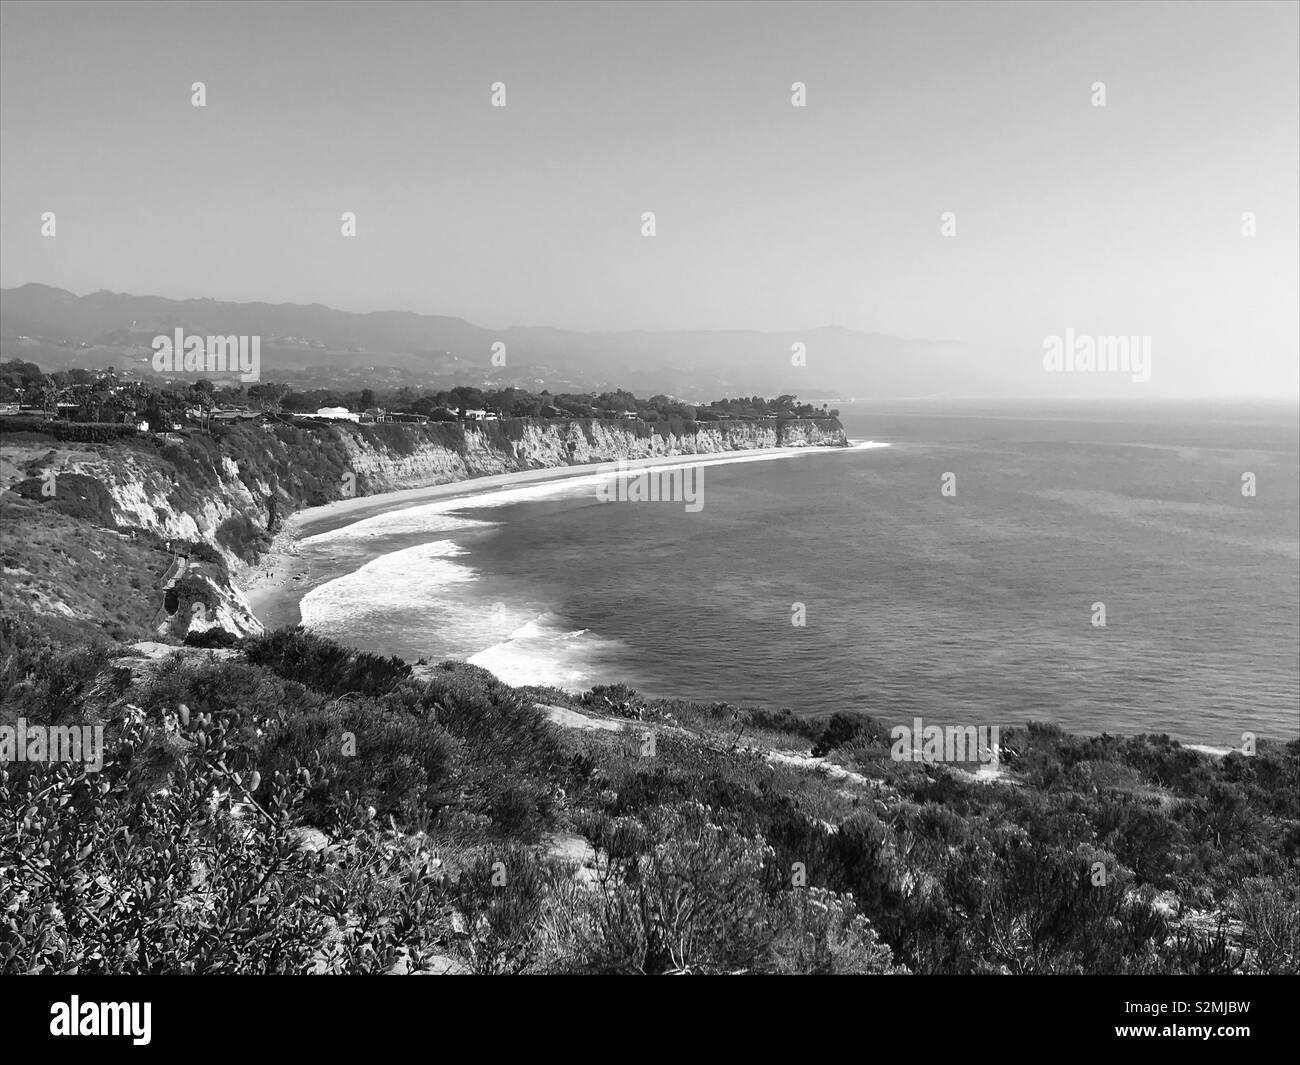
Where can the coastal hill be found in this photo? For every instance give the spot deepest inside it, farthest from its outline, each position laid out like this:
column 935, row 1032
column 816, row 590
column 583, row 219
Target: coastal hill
column 292, row 806
column 312, row 345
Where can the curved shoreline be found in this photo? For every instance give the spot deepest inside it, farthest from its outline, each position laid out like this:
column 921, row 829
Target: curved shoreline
column 276, row 584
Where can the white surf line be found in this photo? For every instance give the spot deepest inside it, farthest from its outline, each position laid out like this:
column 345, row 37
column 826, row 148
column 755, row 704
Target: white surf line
column 572, row 484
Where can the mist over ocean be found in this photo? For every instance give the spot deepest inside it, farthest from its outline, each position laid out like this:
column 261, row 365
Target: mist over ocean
column 972, row 609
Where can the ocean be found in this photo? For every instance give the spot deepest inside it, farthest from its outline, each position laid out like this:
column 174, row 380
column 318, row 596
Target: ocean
column 852, row 581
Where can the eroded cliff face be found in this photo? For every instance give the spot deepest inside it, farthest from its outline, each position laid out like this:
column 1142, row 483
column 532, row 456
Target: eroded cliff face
column 177, row 500
column 488, row 450
column 145, row 496
column 205, row 495
column 199, row 596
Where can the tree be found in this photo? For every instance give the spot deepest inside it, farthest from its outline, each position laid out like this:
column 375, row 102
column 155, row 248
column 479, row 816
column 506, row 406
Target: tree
column 268, row 396
column 202, row 394
column 98, row 396
column 527, row 407
column 159, row 410
column 50, row 397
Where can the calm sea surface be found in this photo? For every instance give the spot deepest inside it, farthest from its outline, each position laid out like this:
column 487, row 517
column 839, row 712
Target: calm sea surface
column 972, row 608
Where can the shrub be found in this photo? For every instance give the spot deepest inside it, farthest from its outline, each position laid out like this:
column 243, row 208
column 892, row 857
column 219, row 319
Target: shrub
column 76, row 495
column 502, row 896
column 326, row 666
column 214, row 637
column 614, row 698
column 81, row 432
column 684, row 898
column 1269, row 909
column 509, row 752
column 198, row 551
column 818, row 932
column 101, row 874
column 243, row 537
column 187, row 593
column 844, row 729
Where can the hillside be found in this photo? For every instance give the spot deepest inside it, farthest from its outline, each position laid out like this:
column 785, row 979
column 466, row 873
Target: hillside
column 294, row 807
column 307, row 344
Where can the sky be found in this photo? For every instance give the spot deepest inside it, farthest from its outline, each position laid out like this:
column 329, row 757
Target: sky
column 1117, row 220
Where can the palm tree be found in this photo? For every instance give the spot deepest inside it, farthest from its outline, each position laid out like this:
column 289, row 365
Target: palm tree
column 49, row 397
column 201, row 392
column 98, row 396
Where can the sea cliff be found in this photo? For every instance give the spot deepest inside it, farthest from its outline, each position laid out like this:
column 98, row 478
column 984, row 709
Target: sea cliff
column 191, row 509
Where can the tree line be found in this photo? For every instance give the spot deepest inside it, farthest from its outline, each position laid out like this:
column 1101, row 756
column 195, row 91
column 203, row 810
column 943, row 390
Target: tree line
column 104, row 395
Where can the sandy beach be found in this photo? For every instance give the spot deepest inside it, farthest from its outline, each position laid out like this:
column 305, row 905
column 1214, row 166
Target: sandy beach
column 277, row 582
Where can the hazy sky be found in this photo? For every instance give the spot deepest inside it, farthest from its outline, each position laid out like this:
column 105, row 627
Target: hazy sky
column 1125, row 219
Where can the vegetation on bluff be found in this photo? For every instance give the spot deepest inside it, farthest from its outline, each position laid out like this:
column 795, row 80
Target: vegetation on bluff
column 102, row 396
column 297, row 806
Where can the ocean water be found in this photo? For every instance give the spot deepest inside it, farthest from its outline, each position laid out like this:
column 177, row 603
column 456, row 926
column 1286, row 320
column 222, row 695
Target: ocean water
column 973, row 608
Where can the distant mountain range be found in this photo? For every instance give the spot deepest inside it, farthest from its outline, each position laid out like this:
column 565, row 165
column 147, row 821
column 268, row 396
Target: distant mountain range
column 316, row 346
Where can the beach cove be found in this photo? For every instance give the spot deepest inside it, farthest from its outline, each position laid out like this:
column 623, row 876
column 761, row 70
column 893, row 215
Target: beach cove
column 276, row 585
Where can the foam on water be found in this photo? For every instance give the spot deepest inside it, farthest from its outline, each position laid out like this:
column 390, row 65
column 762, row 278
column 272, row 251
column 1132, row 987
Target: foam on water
column 431, row 518
column 400, row 581
column 547, row 651
column 441, row 516
column 421, row 599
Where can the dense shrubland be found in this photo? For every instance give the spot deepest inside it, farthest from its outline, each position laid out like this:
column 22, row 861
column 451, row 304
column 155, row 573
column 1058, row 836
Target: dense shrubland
column 49, row 556
column 298, row 806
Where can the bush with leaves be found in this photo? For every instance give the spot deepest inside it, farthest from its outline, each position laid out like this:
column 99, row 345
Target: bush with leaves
column 145, row 867
column 614, row 699
column 845, row 729
column 508, row 756
column 818, row 932
column 677, row 894
column 327, row 666
column 178, row 857
column 501, row 899
column 213, row 637
column 243, row 537
column 1269, row 910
